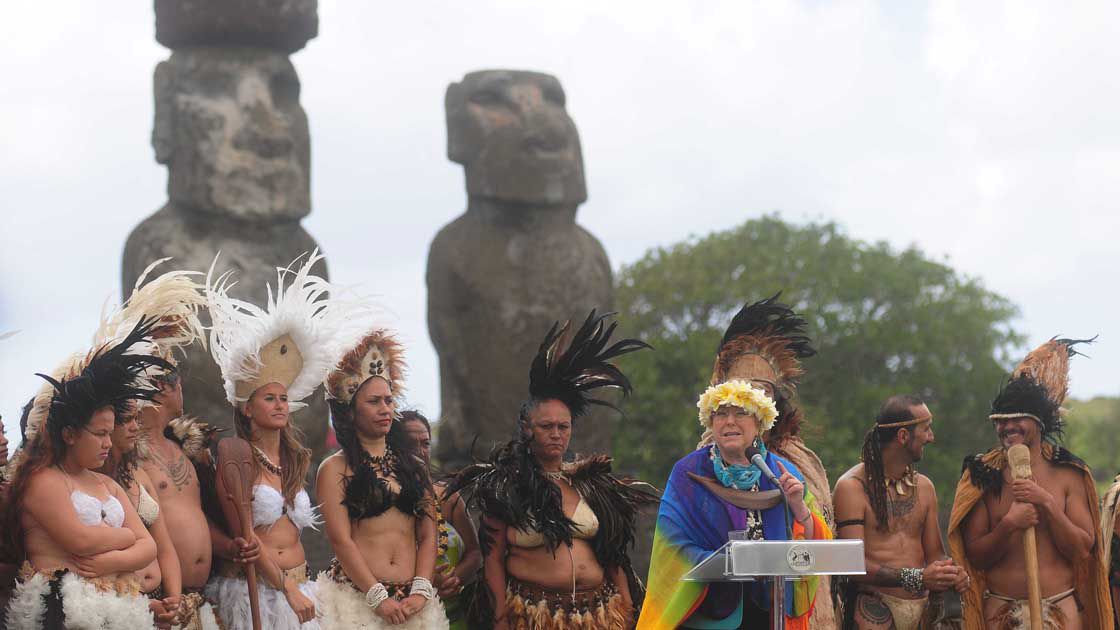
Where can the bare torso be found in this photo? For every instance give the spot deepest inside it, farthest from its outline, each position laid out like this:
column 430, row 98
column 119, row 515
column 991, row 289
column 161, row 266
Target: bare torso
column 43, row 552
column 388, row 544
column 176, row 484
column 560, row 568
column 150, row 576
column 901, row 544
column 1007, row 577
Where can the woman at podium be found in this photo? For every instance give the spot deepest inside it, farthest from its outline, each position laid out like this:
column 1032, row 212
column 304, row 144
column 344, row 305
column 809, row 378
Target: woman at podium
column 715, row 490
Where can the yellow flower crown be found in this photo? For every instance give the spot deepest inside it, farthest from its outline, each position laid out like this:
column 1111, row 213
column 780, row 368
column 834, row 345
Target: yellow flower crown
column 739, row 394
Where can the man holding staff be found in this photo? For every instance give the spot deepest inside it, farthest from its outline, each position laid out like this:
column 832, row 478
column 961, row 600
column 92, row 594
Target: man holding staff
column 886, row 503
column 994, row 511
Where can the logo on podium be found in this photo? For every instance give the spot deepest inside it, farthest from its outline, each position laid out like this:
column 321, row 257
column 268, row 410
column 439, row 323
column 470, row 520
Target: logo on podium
column 800, row 558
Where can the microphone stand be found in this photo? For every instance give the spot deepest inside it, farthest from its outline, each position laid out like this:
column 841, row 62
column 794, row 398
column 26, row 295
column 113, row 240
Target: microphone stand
column 777, row 582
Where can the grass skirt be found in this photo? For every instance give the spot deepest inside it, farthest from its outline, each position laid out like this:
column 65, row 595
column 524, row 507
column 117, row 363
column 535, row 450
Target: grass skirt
column 85, row 604
column 231, row 596
column 532, row 607
column 344, row 608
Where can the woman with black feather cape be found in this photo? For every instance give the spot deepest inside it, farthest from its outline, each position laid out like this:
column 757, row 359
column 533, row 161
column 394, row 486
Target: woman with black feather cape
column 555, row 535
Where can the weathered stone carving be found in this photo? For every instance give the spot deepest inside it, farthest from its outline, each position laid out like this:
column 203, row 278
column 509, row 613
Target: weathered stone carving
column 501, row 273
column 284, row 25
column 231, row 131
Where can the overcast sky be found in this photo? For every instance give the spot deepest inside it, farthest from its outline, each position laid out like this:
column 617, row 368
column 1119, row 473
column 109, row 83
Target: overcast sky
column 986, row 133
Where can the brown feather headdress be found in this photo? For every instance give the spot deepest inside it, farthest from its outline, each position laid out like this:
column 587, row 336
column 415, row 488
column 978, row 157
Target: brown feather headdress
column 766, row 340
column 377, row 354
column 1048, row 365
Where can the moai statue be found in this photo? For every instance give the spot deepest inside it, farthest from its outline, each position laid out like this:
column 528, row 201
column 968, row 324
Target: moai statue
column 230, row 128
column 514, row 262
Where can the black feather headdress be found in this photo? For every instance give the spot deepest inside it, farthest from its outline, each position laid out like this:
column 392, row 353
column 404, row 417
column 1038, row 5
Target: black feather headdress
column 110, row 375
column 770, row 330
column 571, row 374
column 1023, row 396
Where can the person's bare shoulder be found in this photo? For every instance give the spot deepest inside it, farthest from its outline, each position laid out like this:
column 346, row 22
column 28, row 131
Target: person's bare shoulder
column 855, row 472
column 849, row 487
column 335, row 463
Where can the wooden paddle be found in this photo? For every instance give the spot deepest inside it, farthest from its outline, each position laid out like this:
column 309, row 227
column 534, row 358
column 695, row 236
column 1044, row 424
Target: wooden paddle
column 235, row 466
column 1019, row 457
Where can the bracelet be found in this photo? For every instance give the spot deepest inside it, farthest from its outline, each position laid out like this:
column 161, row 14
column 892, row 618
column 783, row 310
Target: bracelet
column 912, row 580
column 376, row 594
column 808, row 517
column 422, row 586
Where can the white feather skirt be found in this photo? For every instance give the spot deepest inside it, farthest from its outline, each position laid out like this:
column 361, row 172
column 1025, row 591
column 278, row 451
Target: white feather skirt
column 345, row 608
column 85, row 606
column 231, row 596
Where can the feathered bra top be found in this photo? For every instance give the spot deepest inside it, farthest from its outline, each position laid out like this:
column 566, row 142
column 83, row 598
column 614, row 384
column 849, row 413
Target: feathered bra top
column 369, row 492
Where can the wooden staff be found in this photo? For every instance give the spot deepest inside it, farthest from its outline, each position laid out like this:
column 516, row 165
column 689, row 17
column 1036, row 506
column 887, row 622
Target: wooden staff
column 235, row 465
column 1019, row 457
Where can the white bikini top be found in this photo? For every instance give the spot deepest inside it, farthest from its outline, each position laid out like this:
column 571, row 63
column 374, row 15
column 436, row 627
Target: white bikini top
column 93, row 511
column 269, row 506
column 146, row 507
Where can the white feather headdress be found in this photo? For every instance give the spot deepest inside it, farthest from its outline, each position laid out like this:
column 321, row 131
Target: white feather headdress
column 295, row 340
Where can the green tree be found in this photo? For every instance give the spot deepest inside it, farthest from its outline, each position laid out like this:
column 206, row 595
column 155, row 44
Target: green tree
column 1091, row 435
column 884, row 322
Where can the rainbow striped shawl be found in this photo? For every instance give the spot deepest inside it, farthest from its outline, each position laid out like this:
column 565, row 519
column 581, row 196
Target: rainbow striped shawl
column 691, row 524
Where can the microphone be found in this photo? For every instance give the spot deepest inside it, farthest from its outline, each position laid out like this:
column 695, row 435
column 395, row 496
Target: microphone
column 756, row 458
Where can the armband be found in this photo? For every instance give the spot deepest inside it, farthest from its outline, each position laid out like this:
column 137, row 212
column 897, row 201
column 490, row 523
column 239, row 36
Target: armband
column 912, row 580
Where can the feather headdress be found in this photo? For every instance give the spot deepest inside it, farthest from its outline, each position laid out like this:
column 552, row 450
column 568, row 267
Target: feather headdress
column 1048, row 364
column 168, row 306
column 377, row 354
column 173, row 298
column 765, row 341
column 1039, row 385
column 571, row 373
column 109, row 375
column 1022, row 396
column 295, row 340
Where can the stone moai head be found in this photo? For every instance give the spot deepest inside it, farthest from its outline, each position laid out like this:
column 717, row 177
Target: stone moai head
column 512, row 133
column 229, row 127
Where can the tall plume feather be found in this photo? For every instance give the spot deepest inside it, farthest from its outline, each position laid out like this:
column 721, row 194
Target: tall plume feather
column 569, row 374
column 1048, row 364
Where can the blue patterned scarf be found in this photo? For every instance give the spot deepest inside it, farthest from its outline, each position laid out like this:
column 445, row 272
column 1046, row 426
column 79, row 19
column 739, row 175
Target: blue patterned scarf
column 737, row 476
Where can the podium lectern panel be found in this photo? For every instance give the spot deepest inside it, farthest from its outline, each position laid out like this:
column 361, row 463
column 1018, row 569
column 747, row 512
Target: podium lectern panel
column 779, row 561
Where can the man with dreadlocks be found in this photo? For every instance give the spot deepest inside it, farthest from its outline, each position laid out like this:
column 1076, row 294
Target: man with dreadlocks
column 992, row 509
column 893, row 509
column 555, row 535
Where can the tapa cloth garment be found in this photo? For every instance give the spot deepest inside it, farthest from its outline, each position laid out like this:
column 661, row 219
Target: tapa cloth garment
column 1015, row 614
column 344, row 608
column 692, row 523
column 97, row 604
column 906, row 614
column 231, row 596
column 1090, row 578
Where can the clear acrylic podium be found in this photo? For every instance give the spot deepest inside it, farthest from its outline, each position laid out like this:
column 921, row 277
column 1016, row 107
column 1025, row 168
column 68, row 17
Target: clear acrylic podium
column 779, row 561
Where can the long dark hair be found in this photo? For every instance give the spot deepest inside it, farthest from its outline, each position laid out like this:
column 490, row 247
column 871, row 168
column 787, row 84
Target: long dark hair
column 411, row 469
column 895, row 409
column 295, row 458
column 788, row 423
